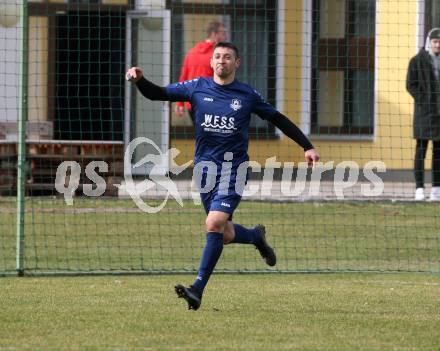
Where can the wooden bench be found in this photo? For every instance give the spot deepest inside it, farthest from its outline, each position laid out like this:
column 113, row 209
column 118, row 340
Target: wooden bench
column 44, row 156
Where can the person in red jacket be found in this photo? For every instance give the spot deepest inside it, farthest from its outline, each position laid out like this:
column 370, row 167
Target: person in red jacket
column 197, row 62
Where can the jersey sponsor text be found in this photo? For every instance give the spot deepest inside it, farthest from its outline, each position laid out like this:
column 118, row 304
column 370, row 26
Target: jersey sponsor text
column 214, row 122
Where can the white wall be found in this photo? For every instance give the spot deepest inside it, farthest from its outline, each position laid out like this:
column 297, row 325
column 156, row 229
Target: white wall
column 9, row 72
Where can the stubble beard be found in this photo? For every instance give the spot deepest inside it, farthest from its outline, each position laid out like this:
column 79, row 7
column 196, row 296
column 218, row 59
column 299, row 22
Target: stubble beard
column 222, row 73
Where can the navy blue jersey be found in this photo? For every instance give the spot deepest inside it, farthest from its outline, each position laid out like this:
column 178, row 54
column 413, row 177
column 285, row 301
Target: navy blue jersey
column 222, row 115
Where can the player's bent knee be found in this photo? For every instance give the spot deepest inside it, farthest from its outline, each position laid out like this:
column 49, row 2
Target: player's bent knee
column 215, row 225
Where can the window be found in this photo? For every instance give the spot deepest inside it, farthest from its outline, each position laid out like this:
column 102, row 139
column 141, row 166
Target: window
column 89, row 95
column 343, row 67
column 85, row 57
column 432, row 15
column 251, row 25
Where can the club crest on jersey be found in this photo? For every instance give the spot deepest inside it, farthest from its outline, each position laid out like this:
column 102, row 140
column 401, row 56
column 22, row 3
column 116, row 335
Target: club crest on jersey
column 236, row 104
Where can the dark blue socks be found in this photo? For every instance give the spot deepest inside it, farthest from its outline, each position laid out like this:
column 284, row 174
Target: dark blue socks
column 245, row 236
column 211, row 253
column 213, row 249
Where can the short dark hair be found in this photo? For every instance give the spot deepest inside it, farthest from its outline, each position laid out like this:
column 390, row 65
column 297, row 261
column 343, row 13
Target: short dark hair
column 213, row 27
column 225, row 44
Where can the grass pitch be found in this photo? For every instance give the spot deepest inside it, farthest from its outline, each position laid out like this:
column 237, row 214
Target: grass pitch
column 238, row 312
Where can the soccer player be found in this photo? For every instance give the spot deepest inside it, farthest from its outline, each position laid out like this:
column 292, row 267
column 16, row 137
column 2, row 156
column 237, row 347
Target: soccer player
column 222, row 109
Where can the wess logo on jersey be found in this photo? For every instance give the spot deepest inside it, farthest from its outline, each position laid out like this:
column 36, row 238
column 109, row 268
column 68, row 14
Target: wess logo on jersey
column 220, row 124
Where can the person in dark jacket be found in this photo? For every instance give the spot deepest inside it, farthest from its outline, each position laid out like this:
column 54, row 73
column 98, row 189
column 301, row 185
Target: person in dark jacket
column 423, row 83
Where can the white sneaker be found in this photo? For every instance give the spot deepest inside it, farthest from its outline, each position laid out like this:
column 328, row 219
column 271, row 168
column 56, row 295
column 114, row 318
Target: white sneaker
column 435, row 193
column 420, row 194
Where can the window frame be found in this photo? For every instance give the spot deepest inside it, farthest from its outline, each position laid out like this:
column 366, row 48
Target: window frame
column 347, row 54
column 50, row 10
column 428, row 18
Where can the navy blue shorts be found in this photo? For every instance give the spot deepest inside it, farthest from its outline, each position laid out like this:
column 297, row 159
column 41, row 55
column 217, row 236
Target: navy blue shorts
column 222, row 197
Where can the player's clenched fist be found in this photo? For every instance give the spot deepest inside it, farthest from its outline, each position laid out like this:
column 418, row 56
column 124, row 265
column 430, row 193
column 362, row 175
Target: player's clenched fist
column 134, row 74
column 312, row 157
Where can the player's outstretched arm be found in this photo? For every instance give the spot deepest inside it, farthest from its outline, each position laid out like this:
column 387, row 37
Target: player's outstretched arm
column 148, row 89
column 293, row 132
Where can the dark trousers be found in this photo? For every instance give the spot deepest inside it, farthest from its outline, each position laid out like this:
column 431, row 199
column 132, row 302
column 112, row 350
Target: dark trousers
column 419, row 163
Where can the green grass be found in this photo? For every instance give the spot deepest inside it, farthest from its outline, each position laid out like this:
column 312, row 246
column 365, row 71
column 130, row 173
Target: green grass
column 113, row 234
column 239, row 312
